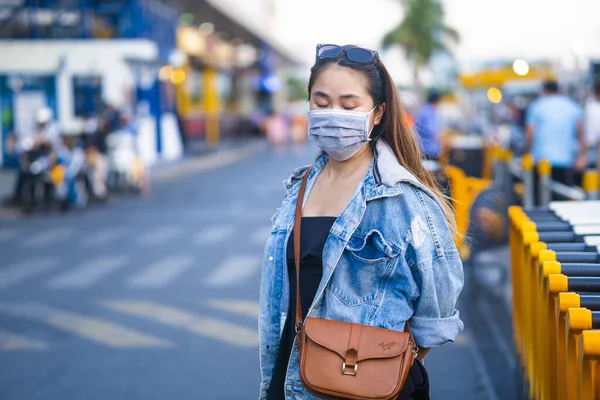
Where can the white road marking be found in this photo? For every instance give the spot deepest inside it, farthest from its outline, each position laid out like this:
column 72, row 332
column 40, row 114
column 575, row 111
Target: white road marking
column 11, row 341
column 214, row 235
column 104, row 237
column 94, row 329
column 7, row 234
column 234, row 269
column 160, row 235
column 241, row 307
column 213, row 328
column 20, row 271
column 88, row 273
column 162, row 272
column 261, row 235
column 48, row 237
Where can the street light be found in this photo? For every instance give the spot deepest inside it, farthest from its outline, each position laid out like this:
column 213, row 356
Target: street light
column 521, row 67
column 494, row 95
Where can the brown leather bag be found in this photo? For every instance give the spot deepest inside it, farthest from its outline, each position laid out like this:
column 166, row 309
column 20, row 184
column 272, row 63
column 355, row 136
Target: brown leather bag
column 341, row 360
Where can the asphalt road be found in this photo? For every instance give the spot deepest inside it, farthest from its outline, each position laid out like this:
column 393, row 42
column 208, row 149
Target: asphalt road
column 157, row 297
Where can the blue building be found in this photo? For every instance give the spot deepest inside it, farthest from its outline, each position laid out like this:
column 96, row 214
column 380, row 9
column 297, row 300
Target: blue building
column 75, row 57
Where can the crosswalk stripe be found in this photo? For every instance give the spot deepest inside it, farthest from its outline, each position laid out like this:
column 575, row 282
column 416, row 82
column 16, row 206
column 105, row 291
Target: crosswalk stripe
column 261, row 235
column 7, row 234
column 160, row 235
column 20, row 271
column 162, row 272
column 213, row 328
column 234, row 269
column 104, row 236
column 214, row 234
column 48, row 237
column 242, row 307
column 11, row 341
column 94, row 329
column 88, row 273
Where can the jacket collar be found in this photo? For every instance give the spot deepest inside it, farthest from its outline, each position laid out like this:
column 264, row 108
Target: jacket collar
column 383, row 179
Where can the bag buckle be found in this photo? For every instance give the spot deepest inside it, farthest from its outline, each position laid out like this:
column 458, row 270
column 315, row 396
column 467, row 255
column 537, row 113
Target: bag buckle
column 351, row 373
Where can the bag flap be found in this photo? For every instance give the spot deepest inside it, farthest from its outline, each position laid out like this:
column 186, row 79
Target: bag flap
column 373, row 343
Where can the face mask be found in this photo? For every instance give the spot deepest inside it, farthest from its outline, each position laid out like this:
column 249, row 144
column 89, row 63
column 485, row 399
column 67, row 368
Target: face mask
column 339, row 133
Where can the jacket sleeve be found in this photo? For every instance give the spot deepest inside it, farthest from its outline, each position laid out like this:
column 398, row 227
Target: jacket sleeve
column 438, row 272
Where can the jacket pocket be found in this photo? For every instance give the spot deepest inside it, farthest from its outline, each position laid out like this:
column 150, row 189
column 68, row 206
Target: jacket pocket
column 365, row 265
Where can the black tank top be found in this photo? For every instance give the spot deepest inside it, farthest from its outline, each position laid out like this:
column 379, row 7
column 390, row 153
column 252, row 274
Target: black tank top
column 313, row 236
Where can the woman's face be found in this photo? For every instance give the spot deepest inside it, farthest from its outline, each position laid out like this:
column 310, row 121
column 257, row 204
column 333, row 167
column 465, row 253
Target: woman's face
column 343, row 88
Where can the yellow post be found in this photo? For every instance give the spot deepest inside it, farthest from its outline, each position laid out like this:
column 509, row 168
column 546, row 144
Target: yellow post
column 544, row 171
column 516, row 215
column 590, row 185
column 565, row 302
column 578, row 320
column 211, row 106
column 547, row 328
column 528, row 181
column 460, row 201
column 540, row 323
column 530, row 236
column 590, row 365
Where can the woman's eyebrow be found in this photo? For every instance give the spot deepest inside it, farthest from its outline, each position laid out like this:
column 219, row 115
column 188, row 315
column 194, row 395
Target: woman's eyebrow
column 321, row 94
column 350, row 96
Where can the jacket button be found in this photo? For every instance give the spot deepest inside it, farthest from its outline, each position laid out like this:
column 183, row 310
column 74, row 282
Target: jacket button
column 271, row 258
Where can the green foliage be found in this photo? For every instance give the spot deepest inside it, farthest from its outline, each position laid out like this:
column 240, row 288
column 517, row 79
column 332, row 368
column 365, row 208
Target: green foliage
column 422, row 31
column 297, row 89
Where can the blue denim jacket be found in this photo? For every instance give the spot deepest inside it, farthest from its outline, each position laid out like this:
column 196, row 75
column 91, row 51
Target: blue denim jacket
column 389, row 258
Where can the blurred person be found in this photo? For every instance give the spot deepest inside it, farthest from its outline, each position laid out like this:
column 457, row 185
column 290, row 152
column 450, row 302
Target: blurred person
column 554, row 128
column 44, row 140
column 429, row 127
column 276, row 128
column 592, row 125
column 376, row 243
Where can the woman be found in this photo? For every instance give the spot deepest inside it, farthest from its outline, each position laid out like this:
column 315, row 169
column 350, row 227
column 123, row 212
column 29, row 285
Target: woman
column 377, row 236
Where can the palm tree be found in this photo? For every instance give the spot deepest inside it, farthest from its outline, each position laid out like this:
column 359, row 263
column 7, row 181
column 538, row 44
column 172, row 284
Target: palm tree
column 421, row 33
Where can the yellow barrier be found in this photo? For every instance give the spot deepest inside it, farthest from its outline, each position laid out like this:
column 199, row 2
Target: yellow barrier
column 558, row 352
column 577, row 321
column 590, row 365
column 464, row 192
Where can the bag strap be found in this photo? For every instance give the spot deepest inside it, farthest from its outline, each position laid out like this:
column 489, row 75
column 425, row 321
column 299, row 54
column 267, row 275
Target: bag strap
column 297, row 225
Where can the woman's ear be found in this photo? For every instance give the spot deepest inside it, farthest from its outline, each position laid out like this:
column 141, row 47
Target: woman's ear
column 378, row 115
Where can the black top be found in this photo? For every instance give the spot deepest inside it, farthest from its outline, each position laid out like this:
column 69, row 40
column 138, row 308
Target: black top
column 313, row 236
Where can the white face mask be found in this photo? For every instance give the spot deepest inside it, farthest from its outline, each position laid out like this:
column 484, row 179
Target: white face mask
column 339, row 133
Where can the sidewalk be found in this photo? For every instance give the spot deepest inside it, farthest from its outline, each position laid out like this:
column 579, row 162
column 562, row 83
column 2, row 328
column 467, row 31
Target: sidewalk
column 207, row 158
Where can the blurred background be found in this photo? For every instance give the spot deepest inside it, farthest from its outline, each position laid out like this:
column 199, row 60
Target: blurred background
column 142, row 148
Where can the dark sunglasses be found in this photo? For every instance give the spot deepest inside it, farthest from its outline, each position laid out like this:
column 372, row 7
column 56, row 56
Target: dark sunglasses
column 353, row 54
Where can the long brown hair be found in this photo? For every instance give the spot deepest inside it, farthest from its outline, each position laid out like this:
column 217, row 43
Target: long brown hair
column 402, row 139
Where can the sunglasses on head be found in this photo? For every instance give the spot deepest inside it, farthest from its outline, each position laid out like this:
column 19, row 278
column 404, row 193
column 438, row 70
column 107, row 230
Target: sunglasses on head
column 353, row 54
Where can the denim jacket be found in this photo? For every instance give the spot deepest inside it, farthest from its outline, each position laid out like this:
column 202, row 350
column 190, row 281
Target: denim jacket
column 389, row 258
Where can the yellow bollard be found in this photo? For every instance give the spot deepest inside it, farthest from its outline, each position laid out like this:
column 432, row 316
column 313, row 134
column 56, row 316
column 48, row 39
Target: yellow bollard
column 566, row 300
column 547, row 327
column 515, row 213
column 590, row 365
column 540, row 324
column 544, row 193
column 529, row 236
column 590, row 185
column 577, row 321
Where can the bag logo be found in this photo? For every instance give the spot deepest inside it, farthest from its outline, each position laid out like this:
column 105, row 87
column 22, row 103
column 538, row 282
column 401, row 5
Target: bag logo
column 387, row 345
